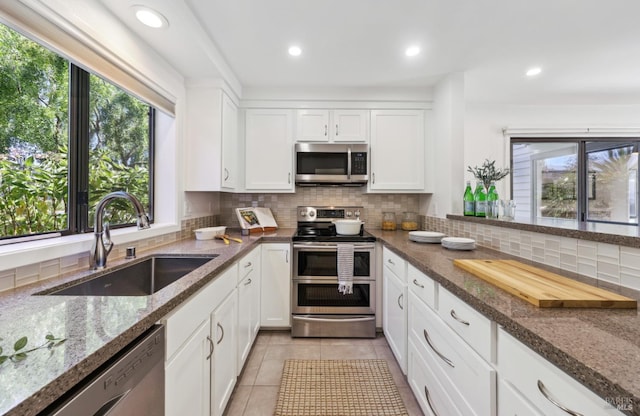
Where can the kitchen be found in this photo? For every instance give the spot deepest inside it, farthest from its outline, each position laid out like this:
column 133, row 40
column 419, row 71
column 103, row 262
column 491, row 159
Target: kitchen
column 464, row 111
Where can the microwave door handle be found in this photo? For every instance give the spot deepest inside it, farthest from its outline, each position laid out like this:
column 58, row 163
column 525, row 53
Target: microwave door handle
column 349, row 163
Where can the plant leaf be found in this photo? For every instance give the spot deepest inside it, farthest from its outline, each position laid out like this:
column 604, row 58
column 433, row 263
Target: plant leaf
column 19, row 356
column 50, row 337
column 3, row 358
column 20, row 344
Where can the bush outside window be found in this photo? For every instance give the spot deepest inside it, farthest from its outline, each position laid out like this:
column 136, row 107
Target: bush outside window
column 67, row 138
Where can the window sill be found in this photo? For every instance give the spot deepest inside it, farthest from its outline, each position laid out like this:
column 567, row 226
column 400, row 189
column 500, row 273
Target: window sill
column 623, row 235
column 22, row 254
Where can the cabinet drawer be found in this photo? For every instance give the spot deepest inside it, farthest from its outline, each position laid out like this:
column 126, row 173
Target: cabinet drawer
column 395, row 263
column 430, row 394
column 422, row 285
column 541, row 382
column 248, row 263
column 185, row 319
column 472, row 380
column 511, row 403
column 476, row 329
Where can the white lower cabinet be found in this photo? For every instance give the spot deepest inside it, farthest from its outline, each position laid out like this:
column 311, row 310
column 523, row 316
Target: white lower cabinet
column 188, row 376
column 394, row 315
column 192, row 379
column 275, row 299
column 467, row 379
column 224, row 375
column 542, row 383
column 248, row 304
column 511, row 402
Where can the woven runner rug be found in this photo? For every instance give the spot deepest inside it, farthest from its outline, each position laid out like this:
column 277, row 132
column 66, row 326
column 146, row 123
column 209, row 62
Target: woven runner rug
column 338, row 388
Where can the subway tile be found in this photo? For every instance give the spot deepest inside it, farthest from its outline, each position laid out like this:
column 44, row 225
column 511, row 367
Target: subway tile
column 630, row 258
column 608, row 252
column 49, row 269
column 27, row 274
column 630, row 278
column 608, row 271
column 7, row 279
column 589, row 270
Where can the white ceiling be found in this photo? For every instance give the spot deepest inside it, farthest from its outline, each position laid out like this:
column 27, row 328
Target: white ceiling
column 589, row 49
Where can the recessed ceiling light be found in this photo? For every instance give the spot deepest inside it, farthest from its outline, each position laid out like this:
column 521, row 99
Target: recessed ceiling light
column 532, row 72
column 412, row 51
column 150, row 17
column 295, row 51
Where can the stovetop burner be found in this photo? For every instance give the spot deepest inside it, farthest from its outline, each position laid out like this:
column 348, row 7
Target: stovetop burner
column 315, row 224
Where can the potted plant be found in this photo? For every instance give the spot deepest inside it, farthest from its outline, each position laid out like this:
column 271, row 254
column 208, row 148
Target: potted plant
column 488, row 173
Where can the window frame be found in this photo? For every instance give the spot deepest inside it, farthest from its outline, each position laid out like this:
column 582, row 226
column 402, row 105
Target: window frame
column 582, row 166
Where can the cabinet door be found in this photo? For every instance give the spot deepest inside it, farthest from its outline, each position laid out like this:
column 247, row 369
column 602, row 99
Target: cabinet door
column 187, row 376
column 223, row 329
column 394, row 318
column 350, row 125
column 397, row 150
column 269, row 150
column 275, row 299
column 312, row 125
column 229, row 143
column 245, row 311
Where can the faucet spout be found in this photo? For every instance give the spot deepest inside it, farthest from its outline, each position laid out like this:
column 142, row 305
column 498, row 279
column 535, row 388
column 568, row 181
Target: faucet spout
column 102, row 248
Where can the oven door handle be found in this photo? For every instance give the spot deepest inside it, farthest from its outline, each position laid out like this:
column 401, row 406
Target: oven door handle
column 356, row 246
column 309, row 318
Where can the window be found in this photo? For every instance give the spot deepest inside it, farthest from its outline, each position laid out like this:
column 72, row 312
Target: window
column 67, row 138
column 579, row 179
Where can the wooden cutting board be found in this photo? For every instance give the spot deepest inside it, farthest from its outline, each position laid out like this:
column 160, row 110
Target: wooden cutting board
column 543, row 288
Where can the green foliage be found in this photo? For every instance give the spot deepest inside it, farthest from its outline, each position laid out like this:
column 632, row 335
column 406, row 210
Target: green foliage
column 19, row 353
column 488, row 172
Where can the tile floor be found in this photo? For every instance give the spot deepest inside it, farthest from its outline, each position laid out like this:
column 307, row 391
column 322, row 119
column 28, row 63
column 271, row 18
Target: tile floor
column 257, row 388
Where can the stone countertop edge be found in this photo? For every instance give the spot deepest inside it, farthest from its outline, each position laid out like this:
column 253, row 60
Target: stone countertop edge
column 525, row 321
column 178, row 292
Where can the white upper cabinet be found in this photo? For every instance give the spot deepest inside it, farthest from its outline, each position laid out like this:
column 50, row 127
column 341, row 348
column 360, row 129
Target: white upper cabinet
column 332, row 125
column 211, row 142
column 397, row 150
column 269, row 150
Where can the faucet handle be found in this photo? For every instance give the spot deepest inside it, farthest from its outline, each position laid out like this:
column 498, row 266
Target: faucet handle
column 106, row 239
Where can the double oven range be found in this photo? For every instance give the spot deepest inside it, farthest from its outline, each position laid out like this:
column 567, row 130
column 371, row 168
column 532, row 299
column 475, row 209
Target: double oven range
column 318, row 308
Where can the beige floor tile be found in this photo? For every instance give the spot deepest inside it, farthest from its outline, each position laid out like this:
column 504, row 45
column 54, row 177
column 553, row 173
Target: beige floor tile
column 347, row 341
column 293, row 351
column 270, row 373
column 347, row 352
column 238, row 401
column 251, row 367
column 263, row 337
column 385, row 353
column 262, row 401
column 410, row 401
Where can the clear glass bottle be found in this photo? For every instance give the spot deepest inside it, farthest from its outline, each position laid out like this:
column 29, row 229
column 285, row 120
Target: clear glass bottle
column 469, row 203
column 409, row 221
column 388, row 221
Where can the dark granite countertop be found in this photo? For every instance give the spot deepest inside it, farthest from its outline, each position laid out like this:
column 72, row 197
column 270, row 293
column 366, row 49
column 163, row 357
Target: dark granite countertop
column 598, row 347
column 96, row 327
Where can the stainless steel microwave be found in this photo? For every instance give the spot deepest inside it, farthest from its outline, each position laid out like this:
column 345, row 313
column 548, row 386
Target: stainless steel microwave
column 332, row 164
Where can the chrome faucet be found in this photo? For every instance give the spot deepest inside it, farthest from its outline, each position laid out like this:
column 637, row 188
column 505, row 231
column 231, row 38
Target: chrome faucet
column 102, row 243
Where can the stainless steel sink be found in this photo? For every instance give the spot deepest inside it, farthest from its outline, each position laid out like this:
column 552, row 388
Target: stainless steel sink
column 139, row 279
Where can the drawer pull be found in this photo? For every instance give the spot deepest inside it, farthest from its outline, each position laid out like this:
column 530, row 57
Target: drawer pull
column 415, row 282
column 390, row 262
column 462, row 321
column 426, row 394
column 547, row 395
column 445, row 359
column 222, row 333
column 247, row 265
column 248, row 282
column 400, row 301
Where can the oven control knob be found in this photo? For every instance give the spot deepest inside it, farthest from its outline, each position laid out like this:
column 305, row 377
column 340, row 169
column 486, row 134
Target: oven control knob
column 303, row 213
column 357, row 213
column 348, row 214
column 312, row 214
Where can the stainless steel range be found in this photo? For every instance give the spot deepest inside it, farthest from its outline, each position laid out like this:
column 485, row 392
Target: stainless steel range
column 318, row 308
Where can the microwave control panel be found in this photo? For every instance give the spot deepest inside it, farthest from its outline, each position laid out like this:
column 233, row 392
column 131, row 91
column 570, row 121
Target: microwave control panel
column 359, row 163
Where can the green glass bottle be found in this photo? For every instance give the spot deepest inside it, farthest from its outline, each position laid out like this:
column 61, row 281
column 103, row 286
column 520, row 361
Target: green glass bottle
column 480, row 198
column 493, row 194
column 469, row 202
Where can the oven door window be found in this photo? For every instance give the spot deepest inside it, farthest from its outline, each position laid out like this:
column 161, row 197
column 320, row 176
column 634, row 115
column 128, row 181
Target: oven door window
column 324, row 263
column 317, row 163
column 327, row 295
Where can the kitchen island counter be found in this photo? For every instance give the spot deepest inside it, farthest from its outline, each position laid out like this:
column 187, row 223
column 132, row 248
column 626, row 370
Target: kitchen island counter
column 598, row 347
column 95, row 327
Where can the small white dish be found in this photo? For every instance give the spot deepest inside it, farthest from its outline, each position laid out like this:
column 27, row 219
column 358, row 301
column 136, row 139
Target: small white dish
column 425, row 236
column 458, row 243
column 209, row 233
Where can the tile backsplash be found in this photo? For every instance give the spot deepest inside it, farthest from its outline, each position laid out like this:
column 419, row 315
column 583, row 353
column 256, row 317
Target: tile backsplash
column 606, row 262
column 284, row 206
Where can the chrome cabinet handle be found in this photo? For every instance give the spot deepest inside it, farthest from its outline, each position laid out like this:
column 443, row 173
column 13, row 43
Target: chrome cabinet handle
column 221, row 329
column 210, row 347
column 415, row 282
column 390, row 262
column 426, row 394
column 373, row 177
column 462, row 321
column 400, row 300
column 444, row 358
column 547, row 395
column 337, row 131
column 248, row 282
column 226, row 174
column 326, row 129
column 289, row 177
column 247, row 265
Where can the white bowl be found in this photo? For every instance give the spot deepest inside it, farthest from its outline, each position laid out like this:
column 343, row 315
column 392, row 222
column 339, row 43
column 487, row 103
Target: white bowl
column 209, row 233
column 348, row 227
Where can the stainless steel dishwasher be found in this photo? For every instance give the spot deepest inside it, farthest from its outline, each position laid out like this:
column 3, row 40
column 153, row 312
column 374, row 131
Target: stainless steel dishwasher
column 131, row 383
